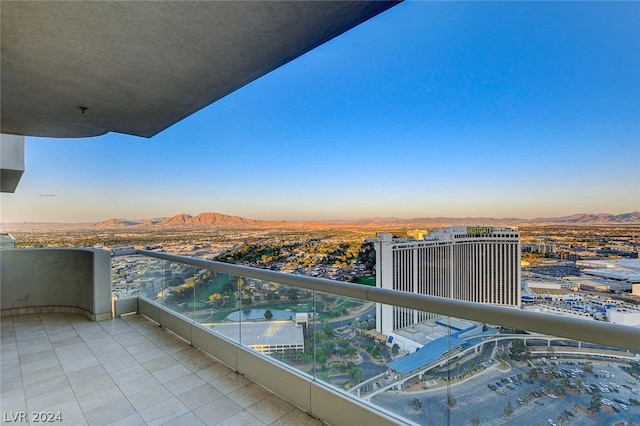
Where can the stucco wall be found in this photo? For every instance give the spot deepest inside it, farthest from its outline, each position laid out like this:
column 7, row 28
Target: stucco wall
column 64, row 280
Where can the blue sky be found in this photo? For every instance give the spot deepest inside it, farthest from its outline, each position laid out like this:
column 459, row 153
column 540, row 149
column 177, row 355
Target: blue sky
column 502, row 109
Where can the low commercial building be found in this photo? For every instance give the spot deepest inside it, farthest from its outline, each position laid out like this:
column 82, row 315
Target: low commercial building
column 264, row 336
column 624, row 316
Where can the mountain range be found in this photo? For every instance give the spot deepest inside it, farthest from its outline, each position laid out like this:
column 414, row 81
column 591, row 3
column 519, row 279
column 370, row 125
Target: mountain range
column 225, row 221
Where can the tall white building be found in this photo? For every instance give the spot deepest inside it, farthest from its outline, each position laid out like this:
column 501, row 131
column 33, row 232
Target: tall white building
column 479, row 264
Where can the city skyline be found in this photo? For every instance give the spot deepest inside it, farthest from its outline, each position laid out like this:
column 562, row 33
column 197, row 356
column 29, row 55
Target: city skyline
column 429, row 109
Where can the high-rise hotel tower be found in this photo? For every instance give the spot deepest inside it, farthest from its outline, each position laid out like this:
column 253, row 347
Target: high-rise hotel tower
column 479, row 264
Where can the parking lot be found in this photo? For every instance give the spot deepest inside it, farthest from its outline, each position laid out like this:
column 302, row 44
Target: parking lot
column 562, row 395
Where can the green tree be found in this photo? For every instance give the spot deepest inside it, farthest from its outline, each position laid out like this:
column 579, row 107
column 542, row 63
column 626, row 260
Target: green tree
column 563, row 417
column 268, row 315
column 356, row 374
column 395, row 349
column 417, row 404
column 534, row 373
column 451, row 400
column 293, row 295
column 508, row 410
column 596, row 401
column 519, row 351
column 588, row 367
column 321, row 358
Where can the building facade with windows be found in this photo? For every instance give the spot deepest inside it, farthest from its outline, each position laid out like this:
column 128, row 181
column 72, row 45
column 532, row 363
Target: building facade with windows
column 477, row 264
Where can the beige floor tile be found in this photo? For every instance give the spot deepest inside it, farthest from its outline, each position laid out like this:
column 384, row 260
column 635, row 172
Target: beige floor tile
column 217, row 411
column 44, row 401
column 99, row 398
column 130, row 339
column 47, row 385
column 184, row 383
column 214, row 372
column 297, row 418
column 38, row 356
column 139, row 384
column 173, row 346
column 33, row 346
column 249, row 395
column 13, row 402
column 160, row 363
column 270, row 409
column 78, row 420
column 188, row 419
column 11, row 383
column 141, row 347
column 40, row 375
column 110, row 353
column 65, row 339
column 116, row 364
column 199, row 396
column 149, row 355
column 187, row 354
column 86, row 374
column 149, row 397
column 70, row 365
column 171, row 373
column 230, row 382
column 130, row 420
column 67, row 409
column 109, row 413
column 199, row 363
column 91, row 385
column 242, row 418
column 126, row 374
column 164, row 411
column 44, row 363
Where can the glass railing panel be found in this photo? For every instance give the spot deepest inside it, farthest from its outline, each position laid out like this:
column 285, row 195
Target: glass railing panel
column 424, row 367
column 270, row 318
column 494, row 375
column 136, row 275
column 178, row 292
column 278, row 322
column 219, row 297
column 347, row 352
column 419, row 366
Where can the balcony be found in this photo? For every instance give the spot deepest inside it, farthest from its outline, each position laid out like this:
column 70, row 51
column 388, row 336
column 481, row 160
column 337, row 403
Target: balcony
column 217, row 349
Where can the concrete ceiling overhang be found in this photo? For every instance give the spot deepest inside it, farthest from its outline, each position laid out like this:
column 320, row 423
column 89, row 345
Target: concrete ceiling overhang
column 139, row 67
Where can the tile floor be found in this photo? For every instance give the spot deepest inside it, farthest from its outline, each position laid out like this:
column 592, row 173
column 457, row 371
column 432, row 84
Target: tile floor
column 124, row 371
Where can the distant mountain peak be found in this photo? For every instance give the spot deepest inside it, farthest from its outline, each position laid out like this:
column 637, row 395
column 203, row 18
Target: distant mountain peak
column 115, row 223
column 214, row 219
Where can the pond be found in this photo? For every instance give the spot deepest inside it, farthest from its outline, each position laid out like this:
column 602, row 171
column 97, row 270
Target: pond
column 254, row 314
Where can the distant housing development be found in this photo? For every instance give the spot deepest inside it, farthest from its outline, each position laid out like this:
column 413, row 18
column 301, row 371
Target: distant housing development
column 479, row 264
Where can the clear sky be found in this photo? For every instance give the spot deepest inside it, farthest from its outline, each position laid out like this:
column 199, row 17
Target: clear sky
column 501, row 109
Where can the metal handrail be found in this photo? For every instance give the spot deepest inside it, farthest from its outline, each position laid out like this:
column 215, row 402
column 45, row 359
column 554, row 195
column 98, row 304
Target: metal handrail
column 604, row 333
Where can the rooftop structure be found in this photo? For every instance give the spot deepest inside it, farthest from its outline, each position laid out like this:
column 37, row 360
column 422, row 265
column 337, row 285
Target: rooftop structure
column 265, row 336
column 627, row 270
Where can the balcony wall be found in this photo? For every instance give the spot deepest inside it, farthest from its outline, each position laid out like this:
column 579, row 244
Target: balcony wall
column 56, row 280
